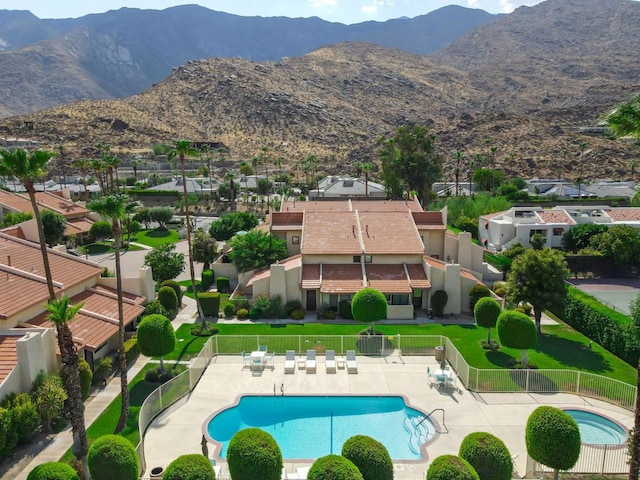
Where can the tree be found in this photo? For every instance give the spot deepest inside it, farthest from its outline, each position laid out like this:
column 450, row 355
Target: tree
column 143, row 215
column 83, row 165
column 205, row 249
column 451, row 467
column 231, row 223
column 619, row 243
column 487, row 180
column 253, row 454
column 256, row 249
column 156, row 337
column 624, row 120
column 190, row 467
column 54, row 226
column 365, row 167
column 457, row 156
column 50, row 397
column 486, row 313
column 516, row 330
column 410, row 157
column 53, row 471
column 334, row 467
column 552, row 437
column 111, row 457
column 165, row 263
column 13, row 218
column 488, row 455
column 370, row 456
column 114, row 208
column 61, row 313
column 538, row 277
column 161, row 215
column 579, row 237
column 369, row 305
column 101, row 230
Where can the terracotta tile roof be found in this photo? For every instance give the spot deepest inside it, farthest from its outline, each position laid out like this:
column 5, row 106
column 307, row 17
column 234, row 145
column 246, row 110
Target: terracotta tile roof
column 331, row 233
column 434, row 262
column 289, row 263
column 14, row 231
column 386, row 205
column 388, row 278
column 624, row 214
column 417, row 276
column 342, row 278
column 469, row 275
column 287, row 218
column 347, row 205
column 556, row 216
column 131, row 297
column 389, row 232
column 317, row 206
column 489, row 216
column 427, row 218
column 76, row 226
column 90, row 331
column 310, row 276
column 8, row 355
column 47, row 200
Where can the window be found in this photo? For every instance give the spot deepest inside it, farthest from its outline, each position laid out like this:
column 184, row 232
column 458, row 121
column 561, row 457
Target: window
column 368, row 259
column 558, row 231
column 356, row 259
column 295, row 240
column 399, row 299
column 417, row 293
column 540, row 232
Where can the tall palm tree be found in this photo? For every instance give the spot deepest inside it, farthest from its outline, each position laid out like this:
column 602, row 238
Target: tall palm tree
column 61, row 314
column 113, row 207
column 183, row 149
column 83, row 164
column 365, row 167
column 457, row 156
column 100, row 169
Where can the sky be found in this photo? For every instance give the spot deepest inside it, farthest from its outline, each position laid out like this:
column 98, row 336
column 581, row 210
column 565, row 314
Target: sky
column 343, row 11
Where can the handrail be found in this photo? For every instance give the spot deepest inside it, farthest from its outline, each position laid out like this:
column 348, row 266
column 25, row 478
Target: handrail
column 429, row 414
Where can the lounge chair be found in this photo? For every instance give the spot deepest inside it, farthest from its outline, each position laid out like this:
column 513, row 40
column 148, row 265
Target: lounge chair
column 290, row 362
column 330, row 361
column 352, row 365
column 310, row 364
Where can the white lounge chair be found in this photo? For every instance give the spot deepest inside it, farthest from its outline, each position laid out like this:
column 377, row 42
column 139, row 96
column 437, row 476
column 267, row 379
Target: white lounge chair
column 290, row 362
column 310, row 364
column 330, row 361
column 352, row 365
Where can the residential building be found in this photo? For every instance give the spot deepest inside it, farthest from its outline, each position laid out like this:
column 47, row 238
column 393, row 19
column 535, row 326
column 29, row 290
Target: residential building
column 334, row 187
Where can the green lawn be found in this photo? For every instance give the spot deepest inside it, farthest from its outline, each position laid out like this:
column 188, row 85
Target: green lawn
column 187, row 346
column 99, row 248
column 155, row 238
column 187, row 285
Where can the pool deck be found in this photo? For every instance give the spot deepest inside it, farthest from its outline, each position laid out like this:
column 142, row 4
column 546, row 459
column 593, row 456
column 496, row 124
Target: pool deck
column 178, row 430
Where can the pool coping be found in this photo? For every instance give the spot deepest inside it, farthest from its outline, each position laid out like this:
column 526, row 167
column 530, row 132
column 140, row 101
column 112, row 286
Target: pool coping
column 600, row 446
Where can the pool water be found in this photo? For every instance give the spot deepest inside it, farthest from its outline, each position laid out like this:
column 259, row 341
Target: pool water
column 308, row 427
column 598, row 430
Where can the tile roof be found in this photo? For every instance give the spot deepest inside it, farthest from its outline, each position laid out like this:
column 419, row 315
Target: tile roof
column 434, row 262
column 341, row 278
column 390, row 233
column 310, row 276
column 428, row 218
column 286, row 220
column 388, row 278
column 417, row 276
column 348, row 205
column 556, row 216
column 76, row 226
column 469, row 275
column 14, row 231
column 8, row 355
column 624, row 214
column 331, row 233
column 289, row 263
column 46, row 200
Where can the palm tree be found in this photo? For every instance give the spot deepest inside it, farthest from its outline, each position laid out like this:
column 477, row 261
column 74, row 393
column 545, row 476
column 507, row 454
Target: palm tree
column 83, row 164
column 61, row 314
column 458, row 158
column 113, row 207
column 129, row 210
column 99, row 168
column 183, row 149
column 365, row 167
column 29, row 167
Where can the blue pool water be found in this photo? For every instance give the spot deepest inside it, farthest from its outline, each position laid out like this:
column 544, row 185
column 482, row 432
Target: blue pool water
column 596, row 429
column 308, row 427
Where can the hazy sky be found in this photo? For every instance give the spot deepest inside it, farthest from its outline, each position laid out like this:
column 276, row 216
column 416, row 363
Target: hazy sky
column 345, row 11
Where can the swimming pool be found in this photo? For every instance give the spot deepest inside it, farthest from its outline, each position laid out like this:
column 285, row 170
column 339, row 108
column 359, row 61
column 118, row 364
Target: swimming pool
column 308, row 427
column 596, row 429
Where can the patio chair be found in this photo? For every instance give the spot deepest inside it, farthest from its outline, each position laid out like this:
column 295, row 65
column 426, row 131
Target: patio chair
column 330, row 361
column 352, row 365
column 269, row 360
column 290, row 362
column 246, row 360
column 310, row 364
column 257, row 364
column 262, row 348
column 451, row 381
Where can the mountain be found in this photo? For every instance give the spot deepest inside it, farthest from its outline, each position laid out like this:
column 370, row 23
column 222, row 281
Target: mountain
column 123, row 52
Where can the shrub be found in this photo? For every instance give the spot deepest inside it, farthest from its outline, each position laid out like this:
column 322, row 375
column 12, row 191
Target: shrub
column 255, row 313
column 102, row 369
column 199, row 330
column 206, row 279
column 176, row 288
column 344, row 309
column 152, row 375
column 165, row 376
column 86, row 377
column 24, row 415
column 222, row 284
column 476, row 293
column 131, row 349
column 500, row 288
column 525, row 308
column 370, row 456
column 156, row 337
column 369, row 305
column 154, row 307
column 190, row 467
column 488, row 455
column 439, row 300
column 210, row 303
column 334, row 467
column 297, row 314
column 168, row 299
column 450, row 467
column 112, row 456
column 8, row 435
column 329, row 314
column 253, row 454
column 242, row 313
column 53, row 471
column 229, row 309
column 292, row 305
column 517, row 330
column 486, row 313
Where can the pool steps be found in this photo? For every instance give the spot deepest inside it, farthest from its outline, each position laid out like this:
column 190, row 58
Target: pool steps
column 418, row 432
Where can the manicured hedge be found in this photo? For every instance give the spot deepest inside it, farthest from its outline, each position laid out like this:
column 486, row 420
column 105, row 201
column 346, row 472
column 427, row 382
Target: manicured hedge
column 334, row 467
column 206, row 279
column 488, row 455
column 113, row 456
column 53, row 471
column 229, row 309
column 370, row 456
column 210, row 303
column 190, row 467
column 450, row 467
column 169, row 300
column 552, row 437
column 86, row 377
column 344, row 309
column 176, row 288
column 253, row 454
column 222, row 284
column 131, row 350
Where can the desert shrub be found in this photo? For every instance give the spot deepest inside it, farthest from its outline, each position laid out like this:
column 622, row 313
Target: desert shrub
column 53, row 471
column 222, row 284
column 24, row 415
column 131, row 349
column 262, row 301
column 190, row 467
column 439, row 300
column 253, row 454
column 255, row 313
column 334, row 467
column 344, row 309
column 49, row 396
column 242, row 313
column 154, row 307
column 488, row 455
column 200, row 330
column 476, row 293
column 102, row 369
column 176, row 288
column 206, row 279
column 86, row 377
column 292, row 305
column 450, row 467
column 210, row 303
column 113, row 456
column 168, row 299
column 229, row 309
column 370, row 456
column 297, row 314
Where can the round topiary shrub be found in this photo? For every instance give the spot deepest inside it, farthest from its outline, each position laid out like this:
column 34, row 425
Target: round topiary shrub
column 156, row 337
column 334, row 467
column 176, row 288
column 152, row 376
column 190, row 467
column 242, row 313
column 53, row 471
column 439, row 300
column 450, row 467
column 229, row 309
column 297, row 314
column 154, row 307
column 370, row 456
column 253, row 454
column 113, row 456
column 168, row 299
column 516, row 330
column 476, row 293
column 86, row 377
column 488, row 455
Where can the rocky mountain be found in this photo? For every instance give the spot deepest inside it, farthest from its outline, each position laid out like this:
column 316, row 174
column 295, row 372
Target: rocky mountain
column 123, row 52
column 524, row 84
